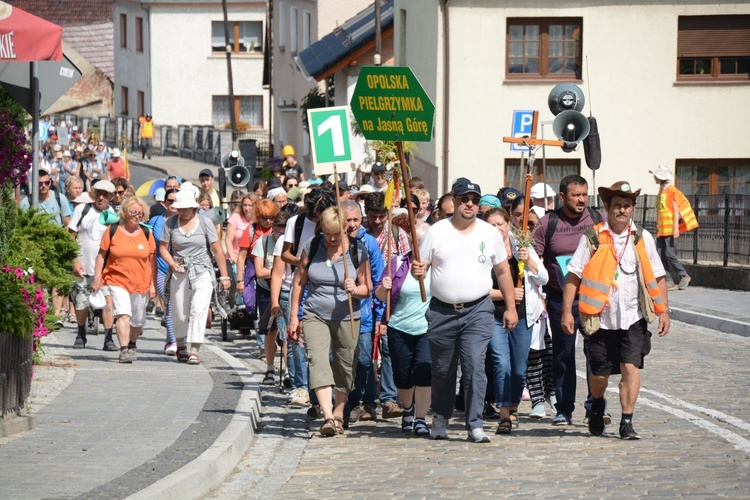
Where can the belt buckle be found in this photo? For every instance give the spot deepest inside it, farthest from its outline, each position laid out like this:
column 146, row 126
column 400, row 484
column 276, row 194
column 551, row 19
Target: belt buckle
column 458, row 307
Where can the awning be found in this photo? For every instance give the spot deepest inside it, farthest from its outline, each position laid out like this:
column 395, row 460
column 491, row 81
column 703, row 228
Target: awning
column 25, row 37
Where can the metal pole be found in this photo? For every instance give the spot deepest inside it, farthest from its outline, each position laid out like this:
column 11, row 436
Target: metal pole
column 376, row 58
column 726, row 229
column 232, row 117
column 35, row 134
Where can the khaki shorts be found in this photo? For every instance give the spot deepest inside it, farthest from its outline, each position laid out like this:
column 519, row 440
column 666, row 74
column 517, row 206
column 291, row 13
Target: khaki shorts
column 335, row 338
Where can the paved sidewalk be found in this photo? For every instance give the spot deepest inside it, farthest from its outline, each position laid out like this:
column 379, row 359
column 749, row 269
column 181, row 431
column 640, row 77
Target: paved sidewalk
column 727, row 311
column 157, row 426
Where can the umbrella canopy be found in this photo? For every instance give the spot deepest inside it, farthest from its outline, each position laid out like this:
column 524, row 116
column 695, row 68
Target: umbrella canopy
column 148, row 188
column 25, row 37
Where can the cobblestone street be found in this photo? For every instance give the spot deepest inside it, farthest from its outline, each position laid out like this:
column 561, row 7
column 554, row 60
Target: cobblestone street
column 692, row 414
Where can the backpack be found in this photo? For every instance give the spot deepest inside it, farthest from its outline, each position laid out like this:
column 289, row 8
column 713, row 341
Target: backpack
column 315, row 244
column 86, row 209
column 593, row 237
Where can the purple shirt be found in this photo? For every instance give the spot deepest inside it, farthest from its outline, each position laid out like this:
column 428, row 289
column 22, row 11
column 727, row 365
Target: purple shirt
column 564, row 242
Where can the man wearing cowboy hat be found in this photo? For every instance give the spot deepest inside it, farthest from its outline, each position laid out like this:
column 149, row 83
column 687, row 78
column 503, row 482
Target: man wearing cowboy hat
column 619, row 279
column 674, row 216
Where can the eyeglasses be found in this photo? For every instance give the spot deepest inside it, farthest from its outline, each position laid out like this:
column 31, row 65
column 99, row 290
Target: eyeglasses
column 169, row 202
column 135, row 215
column 120, row 192
column 45, row 183
column 466, row 199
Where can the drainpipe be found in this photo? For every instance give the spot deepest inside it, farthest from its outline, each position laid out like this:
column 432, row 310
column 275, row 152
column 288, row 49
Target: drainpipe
column 446, row 95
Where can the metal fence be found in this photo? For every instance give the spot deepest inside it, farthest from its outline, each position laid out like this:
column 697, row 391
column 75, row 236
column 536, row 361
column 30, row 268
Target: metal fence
column 202, row 143
column 15, row 373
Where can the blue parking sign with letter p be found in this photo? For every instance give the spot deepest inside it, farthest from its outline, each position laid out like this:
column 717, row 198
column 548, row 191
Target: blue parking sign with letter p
column 522, row 124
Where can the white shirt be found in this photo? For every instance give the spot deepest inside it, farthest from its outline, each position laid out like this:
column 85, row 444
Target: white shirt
column 622, row 309
column 89, row 236
column 308, row 231
column 461, row 263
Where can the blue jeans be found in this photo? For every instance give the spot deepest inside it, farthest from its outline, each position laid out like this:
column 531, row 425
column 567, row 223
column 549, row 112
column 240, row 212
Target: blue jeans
column 509, row 354
column 364, row 376
column 296, row 356
column 564, row 357
column 387, row 385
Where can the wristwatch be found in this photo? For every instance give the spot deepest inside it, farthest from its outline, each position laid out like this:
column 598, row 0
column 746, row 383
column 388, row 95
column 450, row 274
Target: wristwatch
column 669, row 312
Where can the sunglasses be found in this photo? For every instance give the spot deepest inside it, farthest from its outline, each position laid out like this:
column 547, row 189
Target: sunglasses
column 120, row 192
column 291, row 184
column 169, row 202
column 268, row 218
column 466, row 199
column 45, row 183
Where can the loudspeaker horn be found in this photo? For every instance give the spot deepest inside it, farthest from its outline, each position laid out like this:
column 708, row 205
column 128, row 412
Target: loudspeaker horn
column 565, row 96
column 238, row 176
column 571, row 127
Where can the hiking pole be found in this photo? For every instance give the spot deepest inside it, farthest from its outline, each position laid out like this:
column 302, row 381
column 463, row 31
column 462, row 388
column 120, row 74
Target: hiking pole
column 344, row 237
column 412, row 227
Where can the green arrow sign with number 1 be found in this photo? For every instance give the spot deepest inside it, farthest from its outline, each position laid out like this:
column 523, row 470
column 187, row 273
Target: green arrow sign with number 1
column 330, row 138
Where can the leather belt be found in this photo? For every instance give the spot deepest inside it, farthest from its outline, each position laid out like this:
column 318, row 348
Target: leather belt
column 458, row 307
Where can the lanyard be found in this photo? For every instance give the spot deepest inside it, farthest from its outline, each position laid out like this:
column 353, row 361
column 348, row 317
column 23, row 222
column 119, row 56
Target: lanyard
column 614, row 252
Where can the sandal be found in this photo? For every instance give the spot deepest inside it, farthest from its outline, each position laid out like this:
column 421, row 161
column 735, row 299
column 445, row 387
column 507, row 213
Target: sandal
column 339, row 423
column 194, row 359
column 328, row 428
column 269, row 379
column 514, row 419
column 420, row 427
column 504, row 427
column 182, row 355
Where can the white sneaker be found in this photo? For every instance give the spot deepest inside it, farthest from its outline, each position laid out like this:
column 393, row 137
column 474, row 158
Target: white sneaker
column 439, row 428
column 478, row 436
column 170, row 349
column 299, row 397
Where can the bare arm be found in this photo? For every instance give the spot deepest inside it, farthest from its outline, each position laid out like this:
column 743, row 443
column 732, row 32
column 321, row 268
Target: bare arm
column 298, row 285
column 222, row 263
column 228, row 239
column 569, row 295
column 505, row 281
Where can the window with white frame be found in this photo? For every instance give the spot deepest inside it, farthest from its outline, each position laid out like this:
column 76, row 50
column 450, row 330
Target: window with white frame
column 282, row 25
column 293, row 30
column 248, row 109
column 556, row 169
column 306, row 19
column 244, row 36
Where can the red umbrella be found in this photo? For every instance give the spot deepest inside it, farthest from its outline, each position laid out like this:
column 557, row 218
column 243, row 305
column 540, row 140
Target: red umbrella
column 25, row 37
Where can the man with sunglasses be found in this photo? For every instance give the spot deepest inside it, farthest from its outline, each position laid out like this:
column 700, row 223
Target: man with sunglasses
column 460, row 252
column 88, row 232
column 50, row 202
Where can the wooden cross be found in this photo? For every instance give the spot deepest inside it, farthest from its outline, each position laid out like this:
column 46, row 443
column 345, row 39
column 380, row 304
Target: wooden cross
column 532, row 141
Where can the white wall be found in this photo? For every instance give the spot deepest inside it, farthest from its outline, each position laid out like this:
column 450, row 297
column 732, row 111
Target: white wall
column 645, row 118
column 186, row 74
column 131, row 67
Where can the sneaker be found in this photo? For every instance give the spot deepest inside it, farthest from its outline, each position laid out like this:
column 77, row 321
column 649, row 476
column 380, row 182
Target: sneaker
column 109, row 345
column 299, row 397
column 478, row 436
column 356, row 413
column 170, row 349
column 269, row 379
column 159, row 311
column 287, row 381
column 133, row 351
column 439, row 428
column 671, row 286
column 538, row 411
column 490, row 412
column 596, row 418
column 314, row 412
column 407, row 419
column 561, row 419
column 627, row 431
column 683, row 284
column 552, row 402
column 125, row 356
column 79, row 343
column 391, row 410
column 150, row 307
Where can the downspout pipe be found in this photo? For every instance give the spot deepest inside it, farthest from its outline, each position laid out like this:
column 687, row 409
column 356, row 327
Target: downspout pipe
column 446, row 95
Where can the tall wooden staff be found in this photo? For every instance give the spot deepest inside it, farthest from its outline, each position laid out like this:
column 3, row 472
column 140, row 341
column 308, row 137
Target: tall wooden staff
column 407, row 191
column 389, row 256
column 344, row 238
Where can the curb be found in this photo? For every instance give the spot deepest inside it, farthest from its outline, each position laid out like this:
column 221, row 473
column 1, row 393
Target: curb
column 719, row 323
column 212, row 467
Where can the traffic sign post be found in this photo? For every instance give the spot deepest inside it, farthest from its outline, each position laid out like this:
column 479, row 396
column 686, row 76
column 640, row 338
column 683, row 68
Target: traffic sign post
column 390, row 105
column 330, row 137
column 523, row 121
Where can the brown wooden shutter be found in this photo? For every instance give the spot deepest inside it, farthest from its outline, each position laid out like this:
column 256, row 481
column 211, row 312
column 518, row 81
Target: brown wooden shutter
column 713, row 36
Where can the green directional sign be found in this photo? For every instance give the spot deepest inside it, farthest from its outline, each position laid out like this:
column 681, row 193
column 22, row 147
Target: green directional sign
column 330, row 138
column 390, row 105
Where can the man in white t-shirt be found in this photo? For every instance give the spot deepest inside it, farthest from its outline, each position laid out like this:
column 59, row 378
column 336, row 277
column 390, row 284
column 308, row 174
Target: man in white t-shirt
column 460, row 253
column 89, row 231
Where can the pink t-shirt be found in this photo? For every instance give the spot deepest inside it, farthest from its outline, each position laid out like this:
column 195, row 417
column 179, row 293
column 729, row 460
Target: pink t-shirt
column 240, row 226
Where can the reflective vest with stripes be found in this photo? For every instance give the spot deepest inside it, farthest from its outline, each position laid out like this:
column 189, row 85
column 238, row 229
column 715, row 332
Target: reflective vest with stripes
column 665, row 212
column 599, row 275
column 147, row 132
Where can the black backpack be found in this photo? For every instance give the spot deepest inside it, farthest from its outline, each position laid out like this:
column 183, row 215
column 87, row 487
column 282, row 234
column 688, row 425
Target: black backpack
column 315, row 244
column 113, row 230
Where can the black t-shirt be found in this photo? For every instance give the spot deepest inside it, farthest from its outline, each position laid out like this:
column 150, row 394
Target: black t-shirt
column 293, row 172
column 500, row 307
column 157, row 209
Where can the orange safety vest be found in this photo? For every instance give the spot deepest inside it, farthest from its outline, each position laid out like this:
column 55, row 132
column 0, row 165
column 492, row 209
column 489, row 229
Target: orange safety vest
column 147, row 130
column 665, row 214
column 599, row 275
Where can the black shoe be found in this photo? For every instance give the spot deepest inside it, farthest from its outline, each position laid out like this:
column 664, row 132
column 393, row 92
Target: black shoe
column 150, row 307
column 109, row 345
column 596, row 417
column 490, row 412
column 79, row 343
column 159, row 311
column 627, row 431
column 314, row 412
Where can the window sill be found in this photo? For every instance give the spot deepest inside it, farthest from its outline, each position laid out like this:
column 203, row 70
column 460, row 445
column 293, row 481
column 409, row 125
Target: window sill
column 541, row 80
column 708, row 82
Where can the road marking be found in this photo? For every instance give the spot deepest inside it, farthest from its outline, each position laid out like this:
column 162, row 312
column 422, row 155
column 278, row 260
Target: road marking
column 739, row 442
